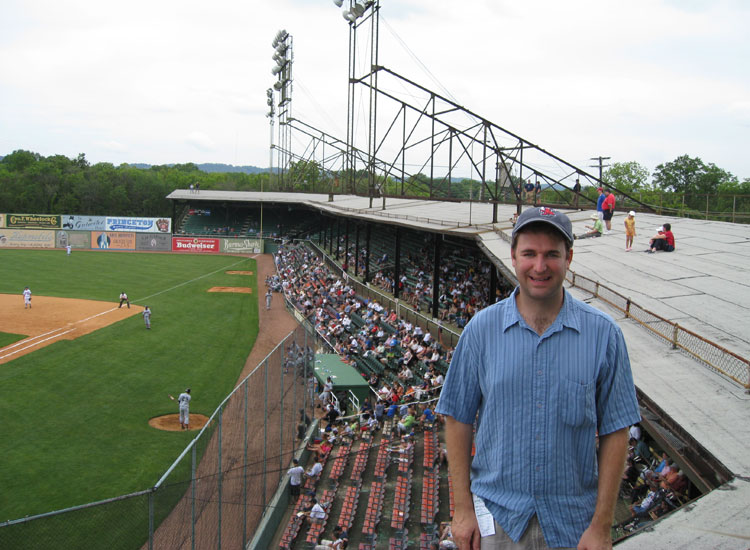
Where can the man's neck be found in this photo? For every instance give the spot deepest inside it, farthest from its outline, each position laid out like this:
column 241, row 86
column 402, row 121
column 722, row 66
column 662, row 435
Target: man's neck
column 539, row 314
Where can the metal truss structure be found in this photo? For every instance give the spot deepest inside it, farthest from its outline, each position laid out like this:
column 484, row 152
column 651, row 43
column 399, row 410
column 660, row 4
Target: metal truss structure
column 416, row 142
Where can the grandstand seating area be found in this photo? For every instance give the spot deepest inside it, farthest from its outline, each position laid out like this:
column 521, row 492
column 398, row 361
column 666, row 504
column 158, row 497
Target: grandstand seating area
column 464, row 271
column 376, row 509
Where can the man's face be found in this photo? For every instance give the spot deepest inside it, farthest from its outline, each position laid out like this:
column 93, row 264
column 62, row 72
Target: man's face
column 540, row 261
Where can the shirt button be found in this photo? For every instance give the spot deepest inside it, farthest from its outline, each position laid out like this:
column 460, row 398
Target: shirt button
column 539, row 372
column 539, row 405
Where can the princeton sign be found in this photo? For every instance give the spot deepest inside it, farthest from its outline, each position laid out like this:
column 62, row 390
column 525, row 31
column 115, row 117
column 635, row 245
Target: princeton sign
column 141, row 225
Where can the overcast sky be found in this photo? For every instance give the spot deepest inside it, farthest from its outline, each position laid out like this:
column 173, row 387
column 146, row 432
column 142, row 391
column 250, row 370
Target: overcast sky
column 182, row 81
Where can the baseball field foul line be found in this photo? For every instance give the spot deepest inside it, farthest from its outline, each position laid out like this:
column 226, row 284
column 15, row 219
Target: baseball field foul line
column 30, row 339
column 34, row 344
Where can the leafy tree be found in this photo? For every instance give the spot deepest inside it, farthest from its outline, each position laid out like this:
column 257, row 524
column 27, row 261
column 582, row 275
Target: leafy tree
column 627, row 176
column 691, row 176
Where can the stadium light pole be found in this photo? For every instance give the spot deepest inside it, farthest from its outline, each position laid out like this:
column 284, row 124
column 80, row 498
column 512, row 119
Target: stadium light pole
column 271, row 114
column 283, row 57
column 357, row 12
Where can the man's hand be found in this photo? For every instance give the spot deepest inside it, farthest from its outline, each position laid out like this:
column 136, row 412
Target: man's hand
column 465, row 530
column 595, row 538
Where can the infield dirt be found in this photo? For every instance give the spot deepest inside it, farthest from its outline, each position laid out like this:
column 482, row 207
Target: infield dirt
column 50, row 320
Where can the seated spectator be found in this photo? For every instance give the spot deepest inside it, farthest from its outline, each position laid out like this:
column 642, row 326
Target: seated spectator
column 640, row 451
column 316, row 512
column 675, row 481
column 321, row 452
column 663, row 240
column 405, row 374
column 635, row 432
column 631, row 473
column 654, row 497
column 427, row 419
column 596, row 230
column 406, row 423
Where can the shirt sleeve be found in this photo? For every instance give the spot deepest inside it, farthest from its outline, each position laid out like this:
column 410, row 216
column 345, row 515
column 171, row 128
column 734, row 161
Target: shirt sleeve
column 461, row 395
column 616, row 402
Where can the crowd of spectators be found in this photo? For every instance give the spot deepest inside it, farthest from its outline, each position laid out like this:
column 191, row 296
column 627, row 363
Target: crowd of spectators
column 652, row 482
column 464, row 278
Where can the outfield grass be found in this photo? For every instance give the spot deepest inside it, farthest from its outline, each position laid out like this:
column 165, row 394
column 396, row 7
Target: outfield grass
column 75, row 414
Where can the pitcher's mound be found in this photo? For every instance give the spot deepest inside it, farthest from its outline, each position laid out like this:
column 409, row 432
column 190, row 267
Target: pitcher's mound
column 171, row 422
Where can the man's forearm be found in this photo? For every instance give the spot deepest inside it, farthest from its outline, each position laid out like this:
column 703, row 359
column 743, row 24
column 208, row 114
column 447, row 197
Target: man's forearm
column 613, row 449
column 458, row 443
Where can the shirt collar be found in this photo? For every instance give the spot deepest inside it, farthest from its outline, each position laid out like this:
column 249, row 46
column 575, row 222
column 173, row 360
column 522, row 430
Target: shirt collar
column 567, row 317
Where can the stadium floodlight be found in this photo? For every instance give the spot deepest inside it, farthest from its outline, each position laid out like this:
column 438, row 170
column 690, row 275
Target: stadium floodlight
column 349, row 16
column 358, row 10
column 278, row 85
column 276, row 69
column 338, row 3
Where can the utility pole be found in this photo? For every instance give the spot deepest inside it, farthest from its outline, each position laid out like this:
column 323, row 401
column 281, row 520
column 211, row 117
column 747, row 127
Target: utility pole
column 601, row 164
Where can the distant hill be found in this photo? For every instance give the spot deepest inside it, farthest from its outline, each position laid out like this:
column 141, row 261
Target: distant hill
column 211, row 167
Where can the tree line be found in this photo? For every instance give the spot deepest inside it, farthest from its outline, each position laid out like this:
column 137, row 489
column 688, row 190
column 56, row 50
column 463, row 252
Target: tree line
column 31, row 183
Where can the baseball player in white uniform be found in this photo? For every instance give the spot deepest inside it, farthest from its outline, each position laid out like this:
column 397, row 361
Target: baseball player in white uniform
column 184, row 401
column 269, row 296
column 26, row 298
column 147, row 317
column 123, row 298
column 68, row 248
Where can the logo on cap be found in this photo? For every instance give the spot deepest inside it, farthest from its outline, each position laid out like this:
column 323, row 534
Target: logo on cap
column 546, row 211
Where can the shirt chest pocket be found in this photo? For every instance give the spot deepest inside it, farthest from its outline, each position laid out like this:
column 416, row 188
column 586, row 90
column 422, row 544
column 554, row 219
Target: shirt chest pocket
column 578, row 403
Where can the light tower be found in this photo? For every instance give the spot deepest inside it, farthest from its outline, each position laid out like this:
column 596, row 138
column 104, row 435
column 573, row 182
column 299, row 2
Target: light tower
column 284, row 57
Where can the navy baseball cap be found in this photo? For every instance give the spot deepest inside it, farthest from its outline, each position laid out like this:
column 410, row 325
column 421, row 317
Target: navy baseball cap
column 544, row 214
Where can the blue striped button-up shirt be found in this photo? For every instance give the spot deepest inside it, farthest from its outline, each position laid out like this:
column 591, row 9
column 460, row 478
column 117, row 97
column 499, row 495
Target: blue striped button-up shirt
column 539, row 401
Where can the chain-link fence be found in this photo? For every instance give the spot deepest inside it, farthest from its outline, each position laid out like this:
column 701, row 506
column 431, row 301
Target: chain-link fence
column 215, row 493
column 724, row 361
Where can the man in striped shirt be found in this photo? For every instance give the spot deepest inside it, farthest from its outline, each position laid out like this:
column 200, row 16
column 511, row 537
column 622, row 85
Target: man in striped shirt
column 541, row 373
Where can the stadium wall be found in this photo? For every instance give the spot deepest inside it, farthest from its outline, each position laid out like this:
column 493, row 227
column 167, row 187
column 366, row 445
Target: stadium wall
column 51, row 231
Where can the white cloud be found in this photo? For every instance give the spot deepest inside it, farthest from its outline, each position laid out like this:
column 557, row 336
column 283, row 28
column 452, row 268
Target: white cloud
column 645, row 80
column 200, row 141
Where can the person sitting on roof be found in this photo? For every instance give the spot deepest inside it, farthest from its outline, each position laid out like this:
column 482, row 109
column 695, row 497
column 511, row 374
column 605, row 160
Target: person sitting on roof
column 596, row 230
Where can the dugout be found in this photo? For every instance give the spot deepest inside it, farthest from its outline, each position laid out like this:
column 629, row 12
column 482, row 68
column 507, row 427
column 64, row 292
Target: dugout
column 344, row 376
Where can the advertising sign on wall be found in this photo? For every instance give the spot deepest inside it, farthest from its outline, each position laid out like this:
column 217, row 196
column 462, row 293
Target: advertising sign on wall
column 84, row 223
column 153, row 241
column 241, row 246
column 189, row 244
column 113, row 239
column 77, row 239
column 33, row 221
column 2, row 220
column 21, row 238
column 147, row 225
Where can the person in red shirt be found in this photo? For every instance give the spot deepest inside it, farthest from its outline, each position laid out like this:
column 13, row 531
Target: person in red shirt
column 663, row 240
column 609, row 209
